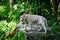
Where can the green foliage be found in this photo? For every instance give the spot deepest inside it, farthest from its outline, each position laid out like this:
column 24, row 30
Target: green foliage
column 5, row 27
column 3, row 12
column 18, row 36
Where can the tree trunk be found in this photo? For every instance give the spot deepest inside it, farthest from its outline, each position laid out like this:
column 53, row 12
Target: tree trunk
column 55, row 3
column 10, row 2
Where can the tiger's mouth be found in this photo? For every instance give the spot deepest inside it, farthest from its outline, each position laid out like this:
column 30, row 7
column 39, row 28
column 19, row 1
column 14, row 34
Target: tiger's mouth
column 22, row 22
